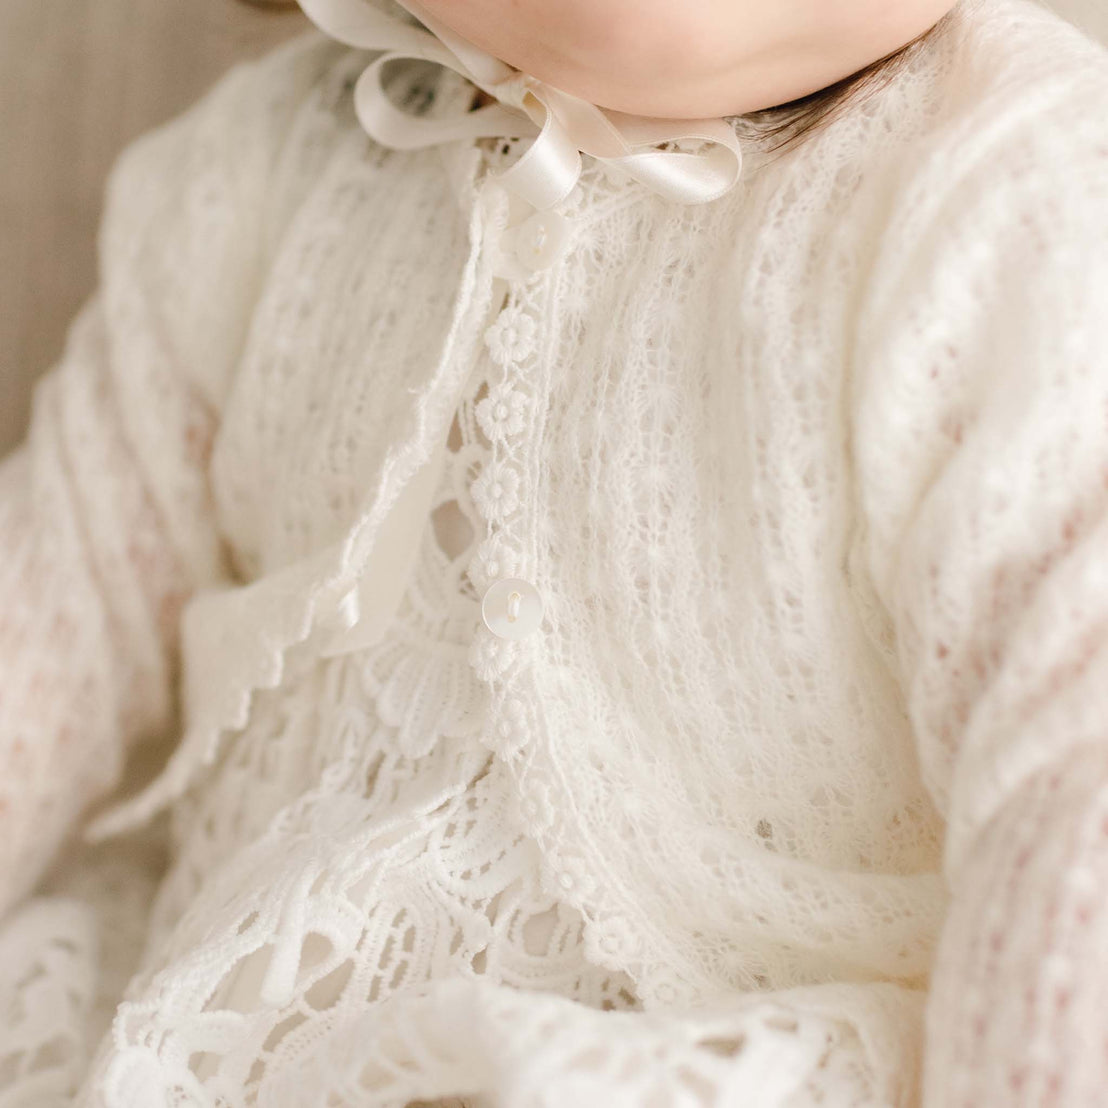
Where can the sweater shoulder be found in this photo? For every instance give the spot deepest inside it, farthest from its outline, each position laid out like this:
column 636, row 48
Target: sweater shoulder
column 1003, row 82
column 1012, row 46
column 262, row 129
column 997, row 130
column 195, row 209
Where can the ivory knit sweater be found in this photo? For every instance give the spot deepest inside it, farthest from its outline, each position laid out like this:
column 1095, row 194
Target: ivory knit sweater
column 794, row 790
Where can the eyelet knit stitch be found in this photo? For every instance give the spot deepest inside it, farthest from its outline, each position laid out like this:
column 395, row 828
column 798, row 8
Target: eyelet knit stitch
column 797, row 794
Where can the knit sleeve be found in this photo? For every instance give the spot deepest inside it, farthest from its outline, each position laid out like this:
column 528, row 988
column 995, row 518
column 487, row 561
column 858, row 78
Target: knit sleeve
column 107, row 525
column 981, row 441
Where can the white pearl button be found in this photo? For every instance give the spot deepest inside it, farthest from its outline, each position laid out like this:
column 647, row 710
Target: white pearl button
column 512, row 608
column 540, row 241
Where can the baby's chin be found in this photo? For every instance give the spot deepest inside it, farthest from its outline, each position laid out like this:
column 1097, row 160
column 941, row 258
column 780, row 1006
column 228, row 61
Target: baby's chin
column 696, row 59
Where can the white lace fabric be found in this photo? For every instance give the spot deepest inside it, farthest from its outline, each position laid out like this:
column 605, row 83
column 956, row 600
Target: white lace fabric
column 795, row 798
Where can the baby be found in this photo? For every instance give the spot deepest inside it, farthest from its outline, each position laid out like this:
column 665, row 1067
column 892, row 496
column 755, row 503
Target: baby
column 614, row 600
column 711, row 58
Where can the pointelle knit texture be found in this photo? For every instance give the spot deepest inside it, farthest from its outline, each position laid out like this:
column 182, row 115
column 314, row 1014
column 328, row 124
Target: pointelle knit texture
column 799, row 794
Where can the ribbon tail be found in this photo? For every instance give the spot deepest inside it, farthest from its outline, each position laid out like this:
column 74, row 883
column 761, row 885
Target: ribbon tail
column 685, row 178
column 630, row 143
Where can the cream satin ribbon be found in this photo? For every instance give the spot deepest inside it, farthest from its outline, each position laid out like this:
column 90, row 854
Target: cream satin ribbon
column 564, row 127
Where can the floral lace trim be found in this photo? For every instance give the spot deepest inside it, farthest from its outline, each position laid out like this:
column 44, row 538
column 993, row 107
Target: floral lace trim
column 404, row 862
column 512, row 417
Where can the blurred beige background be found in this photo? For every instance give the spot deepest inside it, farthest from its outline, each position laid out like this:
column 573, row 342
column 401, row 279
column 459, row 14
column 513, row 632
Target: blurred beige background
column 78, row 80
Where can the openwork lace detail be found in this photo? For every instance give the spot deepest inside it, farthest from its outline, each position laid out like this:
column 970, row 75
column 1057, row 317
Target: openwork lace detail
column 403, row 865
column 390, row 873
column 522, row 379
column 790, row 446
column 46, row 996
column 545, row 1052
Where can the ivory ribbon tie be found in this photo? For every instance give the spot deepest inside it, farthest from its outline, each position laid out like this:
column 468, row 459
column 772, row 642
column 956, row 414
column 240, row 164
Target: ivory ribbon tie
column 563, row 126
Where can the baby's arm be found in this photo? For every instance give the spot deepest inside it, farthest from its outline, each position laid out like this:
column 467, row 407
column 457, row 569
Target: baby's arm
column 91, row 583
column 982, row 447
column 107, row 524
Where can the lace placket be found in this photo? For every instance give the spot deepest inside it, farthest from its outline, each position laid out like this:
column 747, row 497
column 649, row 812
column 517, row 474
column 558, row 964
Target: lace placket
column 504, row 566
column 511, row 416
column 522, row 370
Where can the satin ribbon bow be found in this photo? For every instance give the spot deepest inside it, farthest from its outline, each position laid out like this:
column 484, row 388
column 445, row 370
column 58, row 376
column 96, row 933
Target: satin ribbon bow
column 563, row 126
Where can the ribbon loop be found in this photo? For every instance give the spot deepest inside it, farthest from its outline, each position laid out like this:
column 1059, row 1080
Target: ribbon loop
column 563, row 126
column 393, row 127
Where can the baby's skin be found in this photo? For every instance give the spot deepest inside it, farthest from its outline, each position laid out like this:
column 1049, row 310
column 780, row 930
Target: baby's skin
column 688, row 58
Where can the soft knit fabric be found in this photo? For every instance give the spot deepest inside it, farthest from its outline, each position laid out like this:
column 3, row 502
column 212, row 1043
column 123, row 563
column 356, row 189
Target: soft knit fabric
column 798, row 796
